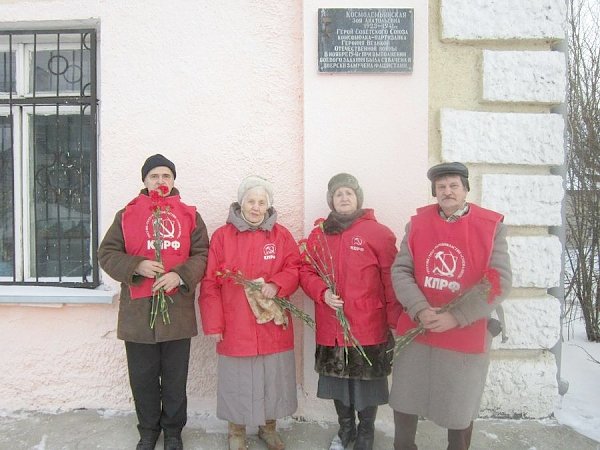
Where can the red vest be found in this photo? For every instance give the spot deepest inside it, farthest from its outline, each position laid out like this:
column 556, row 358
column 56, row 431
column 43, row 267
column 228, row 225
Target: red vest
column 177, row 225
column 449, row 258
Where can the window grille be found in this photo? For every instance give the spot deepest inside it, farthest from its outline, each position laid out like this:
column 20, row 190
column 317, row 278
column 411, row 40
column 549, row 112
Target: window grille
column 48, row 157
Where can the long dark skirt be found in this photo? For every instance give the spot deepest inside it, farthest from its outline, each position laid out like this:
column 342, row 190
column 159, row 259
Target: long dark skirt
column 359, row 393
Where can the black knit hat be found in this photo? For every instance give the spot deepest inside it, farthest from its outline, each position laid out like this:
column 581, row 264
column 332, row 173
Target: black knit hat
column 344, row 180
column 444, row 169
column 157, row 160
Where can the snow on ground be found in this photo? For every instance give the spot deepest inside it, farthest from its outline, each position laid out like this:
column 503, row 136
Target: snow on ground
column 580, row 406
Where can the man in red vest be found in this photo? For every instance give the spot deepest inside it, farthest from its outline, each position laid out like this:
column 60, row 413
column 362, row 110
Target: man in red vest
column 452, row 270
column 157, row 246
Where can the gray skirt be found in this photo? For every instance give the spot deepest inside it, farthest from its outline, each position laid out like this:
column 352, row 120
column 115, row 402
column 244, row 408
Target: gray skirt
column 442, row 385
column 359, row 393
column 253, row 389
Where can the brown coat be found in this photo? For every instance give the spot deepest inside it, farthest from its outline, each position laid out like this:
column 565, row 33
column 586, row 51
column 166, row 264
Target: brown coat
column 134, row 315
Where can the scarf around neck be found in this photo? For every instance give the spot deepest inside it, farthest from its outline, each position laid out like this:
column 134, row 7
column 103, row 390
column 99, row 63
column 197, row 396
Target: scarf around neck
column 337, row 223
column 235, row 218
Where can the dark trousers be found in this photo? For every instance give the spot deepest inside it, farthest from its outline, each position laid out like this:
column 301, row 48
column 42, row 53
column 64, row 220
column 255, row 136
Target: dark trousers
column 158, row 377
column 406, row 432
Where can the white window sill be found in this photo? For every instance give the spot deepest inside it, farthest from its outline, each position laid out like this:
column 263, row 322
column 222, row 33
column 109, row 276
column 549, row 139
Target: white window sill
column 56, row 295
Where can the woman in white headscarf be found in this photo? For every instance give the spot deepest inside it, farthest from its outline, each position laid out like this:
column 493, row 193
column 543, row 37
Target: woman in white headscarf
column 255, row 339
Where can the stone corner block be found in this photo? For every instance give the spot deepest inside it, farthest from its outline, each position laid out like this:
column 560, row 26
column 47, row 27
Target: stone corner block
column 533, row 200
column 536, row 260
column 530, row 323
column 506, row 19
column 521, row 388
column 502, row 138
column 524, row 76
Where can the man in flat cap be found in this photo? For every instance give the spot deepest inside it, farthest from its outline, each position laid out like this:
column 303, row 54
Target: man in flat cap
column 157, row 340
column 452, row 270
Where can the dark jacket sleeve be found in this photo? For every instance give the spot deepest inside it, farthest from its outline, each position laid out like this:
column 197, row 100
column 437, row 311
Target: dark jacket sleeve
column 192, row 270
column 112, row 256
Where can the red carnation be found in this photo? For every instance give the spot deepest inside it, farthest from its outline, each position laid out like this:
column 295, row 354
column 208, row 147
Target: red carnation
column 303, row 245
column 319, row 222
column 493, row 278
column 154, row 196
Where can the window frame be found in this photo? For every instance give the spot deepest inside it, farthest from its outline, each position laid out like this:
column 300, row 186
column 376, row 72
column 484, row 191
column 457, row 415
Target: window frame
column 21, row 105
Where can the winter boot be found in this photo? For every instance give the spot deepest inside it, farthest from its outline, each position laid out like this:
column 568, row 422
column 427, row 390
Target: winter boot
column 460, row 439
column 173, row 440
column 366, row 429
column 147, row 440
column 237, row 436
column 268, row 433
column 405, row 433
column 347, row 432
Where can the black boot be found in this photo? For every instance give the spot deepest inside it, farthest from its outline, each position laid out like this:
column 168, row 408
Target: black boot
column 346, row 419
column 405, row 431
column 147, row 440
column 366, row 429
column 173, row 440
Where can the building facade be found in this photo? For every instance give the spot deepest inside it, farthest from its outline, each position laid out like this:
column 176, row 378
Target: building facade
column 95, row 86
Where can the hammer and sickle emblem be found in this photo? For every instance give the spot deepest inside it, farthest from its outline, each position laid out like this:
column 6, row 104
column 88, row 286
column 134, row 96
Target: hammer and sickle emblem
column 444, row 269
column 167, row 228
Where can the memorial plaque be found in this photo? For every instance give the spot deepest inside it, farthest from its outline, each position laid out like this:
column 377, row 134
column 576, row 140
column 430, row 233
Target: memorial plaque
column 366, row 40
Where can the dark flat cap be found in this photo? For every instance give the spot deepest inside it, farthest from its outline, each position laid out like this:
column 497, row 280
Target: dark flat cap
column 453, row 168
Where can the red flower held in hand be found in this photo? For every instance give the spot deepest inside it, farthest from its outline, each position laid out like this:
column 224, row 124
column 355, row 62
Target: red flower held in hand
column 235, row 275
column 155, row 196
column 303, row 246
column 319, row 222
column 159, row 208
column 321, row 260
column 159, row 201
column 493, row 278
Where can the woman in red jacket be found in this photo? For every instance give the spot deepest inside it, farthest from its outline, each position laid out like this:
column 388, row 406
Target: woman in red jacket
column 256, row 366
column 362, row 252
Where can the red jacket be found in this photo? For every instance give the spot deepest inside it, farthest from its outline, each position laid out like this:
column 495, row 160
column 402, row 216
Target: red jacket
column 362, row 256
column 224, row 307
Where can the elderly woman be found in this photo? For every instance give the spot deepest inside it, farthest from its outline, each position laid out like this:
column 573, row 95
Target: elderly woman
column 255, row 339
column 358, row 251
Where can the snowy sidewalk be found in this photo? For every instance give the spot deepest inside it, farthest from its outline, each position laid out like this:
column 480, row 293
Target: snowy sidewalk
column 87, row 429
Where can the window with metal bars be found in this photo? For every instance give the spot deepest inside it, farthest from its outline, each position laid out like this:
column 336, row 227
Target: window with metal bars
column 48, row 154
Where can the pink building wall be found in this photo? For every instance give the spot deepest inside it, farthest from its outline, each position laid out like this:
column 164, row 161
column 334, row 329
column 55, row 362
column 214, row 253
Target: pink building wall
column 224, row 92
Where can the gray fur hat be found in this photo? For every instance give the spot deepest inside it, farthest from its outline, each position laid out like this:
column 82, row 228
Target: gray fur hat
column 344, row 180
column 255, row 181
column 444, row 169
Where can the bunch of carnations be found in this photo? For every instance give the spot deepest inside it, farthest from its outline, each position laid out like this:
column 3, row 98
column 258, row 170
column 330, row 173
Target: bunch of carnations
column 488, row 286
column 320, row 258
column 235, row 275
column 160, row 299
